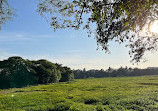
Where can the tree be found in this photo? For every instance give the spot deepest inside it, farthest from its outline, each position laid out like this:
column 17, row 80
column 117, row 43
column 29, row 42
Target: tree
column 118, row 20
column 115, row 20
column 15, row 72
column 46, row 72
column 66, row 75
column 5, row 79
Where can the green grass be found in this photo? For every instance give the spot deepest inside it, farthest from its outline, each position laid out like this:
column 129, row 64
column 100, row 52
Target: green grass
column 102, row 94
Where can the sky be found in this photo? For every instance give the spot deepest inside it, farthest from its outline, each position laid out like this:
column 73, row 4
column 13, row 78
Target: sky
column 31, row 37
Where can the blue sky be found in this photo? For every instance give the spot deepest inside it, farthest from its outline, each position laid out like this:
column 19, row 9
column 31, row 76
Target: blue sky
column 31, row 37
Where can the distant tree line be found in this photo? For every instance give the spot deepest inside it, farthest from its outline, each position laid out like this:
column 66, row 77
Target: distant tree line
column 17, row 72
column 110, row 72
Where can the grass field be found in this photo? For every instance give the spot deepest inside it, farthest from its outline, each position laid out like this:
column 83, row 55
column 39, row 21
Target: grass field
column 102, row 94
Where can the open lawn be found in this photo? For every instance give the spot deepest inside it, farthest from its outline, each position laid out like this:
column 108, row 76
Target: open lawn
column 101, row 94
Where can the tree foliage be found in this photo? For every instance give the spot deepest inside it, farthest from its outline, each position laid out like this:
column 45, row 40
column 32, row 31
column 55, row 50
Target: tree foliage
column 120, row 72
column 118, row 20
column 66, row 75
column 17, row 72
column 6, row 12
column 46, row 72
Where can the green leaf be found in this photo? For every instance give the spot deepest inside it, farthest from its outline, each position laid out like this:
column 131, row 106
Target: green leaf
column 126, row 23
column 133, row 27
column 127, row 13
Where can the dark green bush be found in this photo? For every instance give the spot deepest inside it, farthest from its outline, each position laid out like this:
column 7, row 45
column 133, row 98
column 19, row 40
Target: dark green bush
column 16, row 72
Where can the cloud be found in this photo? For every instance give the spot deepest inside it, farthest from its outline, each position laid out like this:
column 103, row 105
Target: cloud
column 7, row 37
column 17, row 36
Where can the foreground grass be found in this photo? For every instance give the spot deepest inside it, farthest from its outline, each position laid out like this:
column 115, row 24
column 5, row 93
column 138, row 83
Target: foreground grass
column 102, row 94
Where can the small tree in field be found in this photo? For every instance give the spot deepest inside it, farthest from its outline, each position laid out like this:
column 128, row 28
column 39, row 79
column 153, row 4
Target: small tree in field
column 66, row 75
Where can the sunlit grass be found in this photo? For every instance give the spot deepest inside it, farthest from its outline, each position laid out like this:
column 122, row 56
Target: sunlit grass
column 125, row 93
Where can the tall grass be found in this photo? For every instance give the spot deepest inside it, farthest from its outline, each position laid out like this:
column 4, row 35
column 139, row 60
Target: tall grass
column 102, row 94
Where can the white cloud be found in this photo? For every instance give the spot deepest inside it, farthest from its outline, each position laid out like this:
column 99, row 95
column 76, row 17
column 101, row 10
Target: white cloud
column 14, row 36
column 6, row 37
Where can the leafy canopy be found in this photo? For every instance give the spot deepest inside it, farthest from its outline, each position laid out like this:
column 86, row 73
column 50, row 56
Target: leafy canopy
column 116, row 20
column 6, row 12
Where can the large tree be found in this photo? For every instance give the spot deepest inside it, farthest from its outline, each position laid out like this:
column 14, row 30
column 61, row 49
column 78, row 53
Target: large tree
column 115, row 20
column 46, row 71
column 16, row 72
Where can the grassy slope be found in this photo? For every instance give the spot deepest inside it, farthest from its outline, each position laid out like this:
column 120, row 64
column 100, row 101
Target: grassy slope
column 111, row 94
